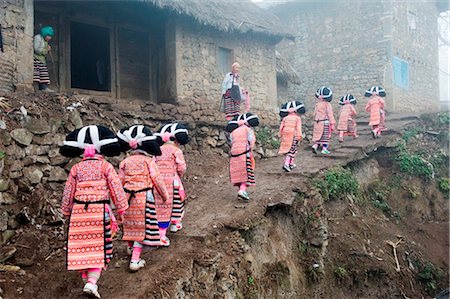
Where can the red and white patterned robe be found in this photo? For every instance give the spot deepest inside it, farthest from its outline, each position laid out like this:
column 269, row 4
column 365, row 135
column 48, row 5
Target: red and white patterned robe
column 172, row 166
column 346, row 122
column 138, row 172
column 242, row 162
column 90, row 186
column 290, row 129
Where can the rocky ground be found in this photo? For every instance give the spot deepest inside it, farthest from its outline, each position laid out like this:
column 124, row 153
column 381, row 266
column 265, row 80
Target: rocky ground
column 288, row 241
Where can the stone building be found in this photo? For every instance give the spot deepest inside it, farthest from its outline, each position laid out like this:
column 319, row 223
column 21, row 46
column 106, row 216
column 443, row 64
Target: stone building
column 151, row 50
column 352, row 45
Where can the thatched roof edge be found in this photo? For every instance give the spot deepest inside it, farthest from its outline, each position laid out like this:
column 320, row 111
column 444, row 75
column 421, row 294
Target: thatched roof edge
column 285, row 70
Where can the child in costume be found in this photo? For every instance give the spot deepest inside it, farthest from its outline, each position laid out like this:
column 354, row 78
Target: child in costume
column 290, row 131
column 140, row 176
column 242, row 162
column 172, row 166
column 375, row 107
column 323, row 120
column 346, row 124
column 89, row 187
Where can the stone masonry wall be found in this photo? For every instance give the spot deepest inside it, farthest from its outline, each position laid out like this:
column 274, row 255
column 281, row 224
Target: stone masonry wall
column 199, row 72
column 414, row 28
column 16, row 63
column 344, row 45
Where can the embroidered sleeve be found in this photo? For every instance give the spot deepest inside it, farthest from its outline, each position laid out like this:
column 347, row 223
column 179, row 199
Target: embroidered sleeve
column 280, row 133
column 181, row 163
column 381, row 103
column 330, row 114
column 122, row 172
column 298, row 129
column 158, row 181
column 368, row 106
column 118, row 196
column 353, row 110
column 251, row 138
column 69, row 192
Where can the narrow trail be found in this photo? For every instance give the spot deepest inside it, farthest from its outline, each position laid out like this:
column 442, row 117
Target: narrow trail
column 212, row 206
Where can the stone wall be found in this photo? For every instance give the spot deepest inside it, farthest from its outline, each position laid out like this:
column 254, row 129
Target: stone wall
column 352, row 51
column 198, row 72
column 344, row 45
column 415, row 36
column 16, row 63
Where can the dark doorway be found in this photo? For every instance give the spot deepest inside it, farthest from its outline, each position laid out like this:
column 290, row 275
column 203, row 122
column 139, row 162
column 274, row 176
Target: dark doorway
column 89, row 57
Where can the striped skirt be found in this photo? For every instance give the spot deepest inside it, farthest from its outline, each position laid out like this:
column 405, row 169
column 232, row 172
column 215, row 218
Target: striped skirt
column 294, row 147
column 152, row 237
column 40, row 72
column 178, row 207
column 326, row 134
column 231, row 107
column 351, row 126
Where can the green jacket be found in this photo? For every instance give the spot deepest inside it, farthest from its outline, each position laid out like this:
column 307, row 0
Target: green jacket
column 40, row 48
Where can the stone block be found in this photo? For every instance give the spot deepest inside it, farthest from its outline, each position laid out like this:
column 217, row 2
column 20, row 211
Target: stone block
column 7, row 199
column 33, row 174
column 37, row 150
column 22, row 136
column 38, row 126
column 57, row 174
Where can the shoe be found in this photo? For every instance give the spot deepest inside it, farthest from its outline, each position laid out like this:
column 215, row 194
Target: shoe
column 91, row 290
column 292, row 166
column 341, row 140
column 48, row 90
column 325, row 151
column 286, row 168
column 135, row 266
column 243, row 194
column 176, row 227
column 314, row 150
column 165, row 242
column 374, row 135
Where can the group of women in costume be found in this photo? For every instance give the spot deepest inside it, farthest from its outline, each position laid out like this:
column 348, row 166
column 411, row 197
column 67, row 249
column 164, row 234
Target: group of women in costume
column 148, row 193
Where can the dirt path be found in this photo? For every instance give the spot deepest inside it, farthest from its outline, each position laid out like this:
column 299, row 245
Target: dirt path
column 212, row 206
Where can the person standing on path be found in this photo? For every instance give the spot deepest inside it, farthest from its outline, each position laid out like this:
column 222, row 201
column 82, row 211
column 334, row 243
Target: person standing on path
column 290, row 132
column 140, row 177
column 41, row 77
column 172, row 166
column 323, row 120
column 375, row 107
column 346, row 123
column 242, row 162
column 232, row 94
column 90, row 186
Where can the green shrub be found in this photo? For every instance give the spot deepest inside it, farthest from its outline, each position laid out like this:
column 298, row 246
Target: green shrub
column 410, row 133
column 340, row 273
column 250, row 280
column 444, row 185
column 2, row 154
column 382, row 205
column 429, row 275
column 340, row 182
column 444, row 118
column 266, row 137
column 413, row 164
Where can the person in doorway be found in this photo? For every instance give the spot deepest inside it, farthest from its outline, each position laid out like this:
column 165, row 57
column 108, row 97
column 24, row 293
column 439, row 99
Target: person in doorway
column 242, row 162
column 90, row 186
column 232, row 94
column 375, row 107
column 323, row 120
column 41, row 77
column 290, row 132
column 142, row 180
column 347, row 124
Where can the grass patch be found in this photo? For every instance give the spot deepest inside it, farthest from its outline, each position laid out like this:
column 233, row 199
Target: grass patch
column 410, row 133
column 340, row 182
column 414, row 164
